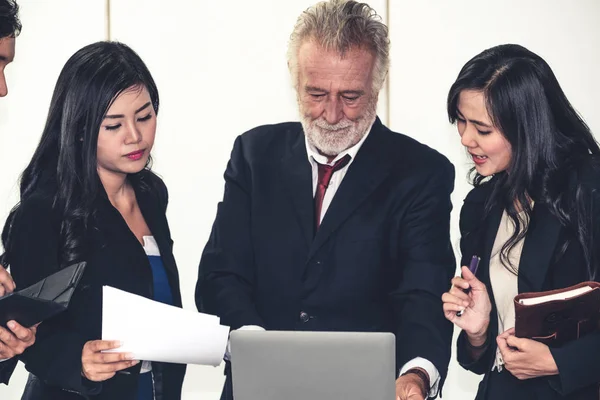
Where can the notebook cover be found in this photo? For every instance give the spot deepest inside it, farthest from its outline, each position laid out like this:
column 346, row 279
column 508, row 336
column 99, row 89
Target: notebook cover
column 557, row 322
column 43, row 299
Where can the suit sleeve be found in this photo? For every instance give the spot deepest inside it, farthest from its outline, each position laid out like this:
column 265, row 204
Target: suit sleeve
column 483, row 363
column 227, row 269
column 6, row 369
column 427, row 265
column 578, row 361
column 55, row 357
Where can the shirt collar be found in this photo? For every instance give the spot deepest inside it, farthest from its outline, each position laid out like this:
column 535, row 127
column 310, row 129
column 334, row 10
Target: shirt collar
column 314, row 155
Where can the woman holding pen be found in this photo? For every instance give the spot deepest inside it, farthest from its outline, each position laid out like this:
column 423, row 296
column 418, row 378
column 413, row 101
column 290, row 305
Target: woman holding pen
column 533, row 217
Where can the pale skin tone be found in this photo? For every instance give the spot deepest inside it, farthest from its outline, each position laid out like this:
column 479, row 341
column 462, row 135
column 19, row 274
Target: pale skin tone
column 7, row 55
column 524, row 358
column 17, row 338
column 335, row 88
column 487, row 146
column 128, row 129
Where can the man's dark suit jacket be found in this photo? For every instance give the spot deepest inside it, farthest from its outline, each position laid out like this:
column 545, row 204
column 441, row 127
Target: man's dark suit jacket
column 115, row 258
column 379, row 262
column 545, row 264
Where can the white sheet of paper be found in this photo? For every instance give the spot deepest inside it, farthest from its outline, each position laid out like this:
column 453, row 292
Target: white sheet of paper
column 557, row 296
column 154, row 331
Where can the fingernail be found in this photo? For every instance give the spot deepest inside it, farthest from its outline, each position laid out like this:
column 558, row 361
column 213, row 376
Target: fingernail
column 129, row 356
column 12, row 325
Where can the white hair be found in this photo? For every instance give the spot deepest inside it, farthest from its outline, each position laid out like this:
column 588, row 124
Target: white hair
column 341, row 25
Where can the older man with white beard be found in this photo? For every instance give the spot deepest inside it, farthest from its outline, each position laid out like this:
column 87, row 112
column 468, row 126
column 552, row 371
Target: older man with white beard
column 336, row 223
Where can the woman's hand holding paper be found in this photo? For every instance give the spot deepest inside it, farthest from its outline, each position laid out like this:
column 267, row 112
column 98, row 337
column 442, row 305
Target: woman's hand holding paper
column 98, row 366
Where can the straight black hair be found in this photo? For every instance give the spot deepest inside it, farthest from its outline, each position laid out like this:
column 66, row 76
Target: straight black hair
column 65, row 161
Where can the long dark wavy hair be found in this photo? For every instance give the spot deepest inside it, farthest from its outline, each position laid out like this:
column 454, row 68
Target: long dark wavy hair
column 64, row 165
column 549, row 142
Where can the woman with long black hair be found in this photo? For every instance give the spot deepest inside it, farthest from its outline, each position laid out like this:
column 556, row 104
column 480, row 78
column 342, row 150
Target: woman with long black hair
column 88, row 195
column 533, row 217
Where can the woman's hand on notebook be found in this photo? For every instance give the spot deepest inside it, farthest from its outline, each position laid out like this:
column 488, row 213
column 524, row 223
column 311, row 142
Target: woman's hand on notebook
column 468, row 294
column 525, row 358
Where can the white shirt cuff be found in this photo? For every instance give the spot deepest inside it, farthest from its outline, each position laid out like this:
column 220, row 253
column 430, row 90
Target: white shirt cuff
column 243, row 328
column 434, row 375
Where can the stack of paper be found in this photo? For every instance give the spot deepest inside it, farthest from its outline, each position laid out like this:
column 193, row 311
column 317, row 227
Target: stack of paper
column 153, row 331
column 557, row 296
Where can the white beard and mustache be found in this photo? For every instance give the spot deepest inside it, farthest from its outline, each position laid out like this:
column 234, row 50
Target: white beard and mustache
column 332, row 140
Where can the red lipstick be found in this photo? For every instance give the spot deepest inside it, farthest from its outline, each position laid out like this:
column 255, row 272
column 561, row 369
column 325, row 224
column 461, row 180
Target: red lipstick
column 135, row 155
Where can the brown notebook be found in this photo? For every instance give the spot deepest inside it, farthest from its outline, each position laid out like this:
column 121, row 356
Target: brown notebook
column 558, row 316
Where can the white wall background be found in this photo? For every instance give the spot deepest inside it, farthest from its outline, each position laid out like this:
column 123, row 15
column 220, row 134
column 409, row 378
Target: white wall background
column 220, row 68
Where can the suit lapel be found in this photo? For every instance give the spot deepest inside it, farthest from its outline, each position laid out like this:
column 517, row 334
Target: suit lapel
column 493, row 223
column 157, row 224
column 297, row 177
column 538, row 249
column 367, row 171
column 489, row 237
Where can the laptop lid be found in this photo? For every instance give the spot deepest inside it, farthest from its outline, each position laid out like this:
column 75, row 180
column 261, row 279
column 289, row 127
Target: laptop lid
column 282, row 365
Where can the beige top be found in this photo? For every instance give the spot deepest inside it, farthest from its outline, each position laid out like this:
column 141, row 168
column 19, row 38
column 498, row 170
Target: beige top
column 504, row 282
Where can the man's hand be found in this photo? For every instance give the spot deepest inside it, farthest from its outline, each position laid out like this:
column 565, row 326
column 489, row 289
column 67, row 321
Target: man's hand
column 14, row 341
column 525, row 358
column 7, row 285
column 410, row 387
column 98, row 366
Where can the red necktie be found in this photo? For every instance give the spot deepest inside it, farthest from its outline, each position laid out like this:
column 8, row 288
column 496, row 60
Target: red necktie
column 325, row 173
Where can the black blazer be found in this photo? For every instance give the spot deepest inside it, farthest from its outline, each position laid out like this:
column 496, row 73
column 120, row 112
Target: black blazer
column 115, row 258
column 6, row 369
column 543, row 266
column 379, row 262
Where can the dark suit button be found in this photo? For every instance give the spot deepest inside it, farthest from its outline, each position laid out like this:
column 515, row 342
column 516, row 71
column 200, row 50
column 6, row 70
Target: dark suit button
column 318, row 262
column 304, row 317
column 551, row 318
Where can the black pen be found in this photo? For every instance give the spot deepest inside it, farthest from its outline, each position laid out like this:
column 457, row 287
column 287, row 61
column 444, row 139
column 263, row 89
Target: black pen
column 473, row 268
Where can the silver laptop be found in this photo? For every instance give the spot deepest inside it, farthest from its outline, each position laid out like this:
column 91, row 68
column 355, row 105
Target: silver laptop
column 281, row 365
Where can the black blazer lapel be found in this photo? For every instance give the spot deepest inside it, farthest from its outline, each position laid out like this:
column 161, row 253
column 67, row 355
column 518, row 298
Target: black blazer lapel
column 538, row 249
column 296, row 174
column 479, row 229
column 371, row 166
column 489, row 237
column 156, row 220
